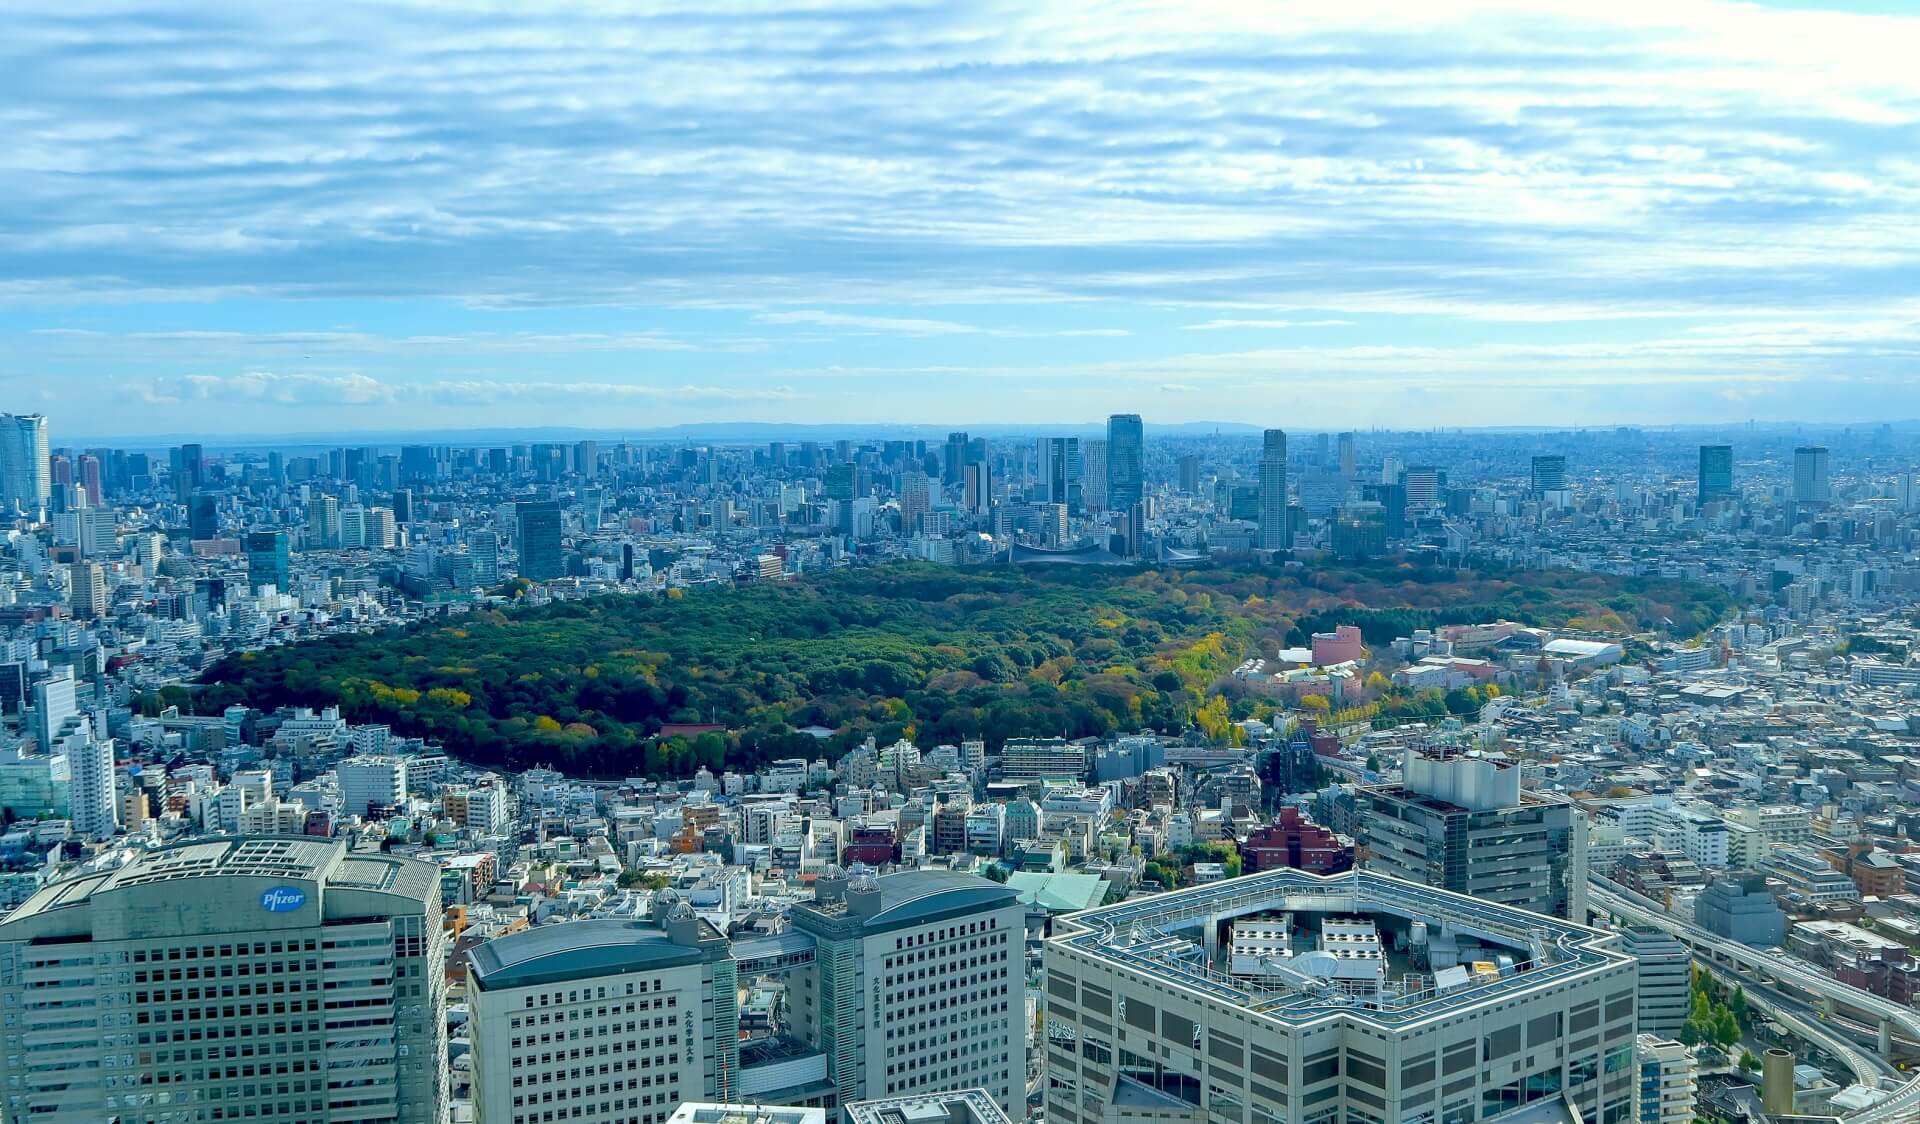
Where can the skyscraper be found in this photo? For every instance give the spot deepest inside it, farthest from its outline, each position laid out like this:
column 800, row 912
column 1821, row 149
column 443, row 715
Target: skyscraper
column 915, row 500
column 1190, row 474
column 977, row 492
column 1126, row 461
column 330, row 979
column 1093, row 482
column 1812, row 486
column 1347, row 465
column 1060, row 471
column 268, row 562
column 1549, row 475
column 94, row 804
column 1273, row 490
column 189, row 470
column 538, row 536
column 203, row 516
column 1716, row 472
column 26, row 466
column 953, row 460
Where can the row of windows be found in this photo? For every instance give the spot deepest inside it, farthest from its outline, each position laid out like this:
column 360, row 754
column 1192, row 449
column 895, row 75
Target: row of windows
column 587, row 995
column 225, row 969
column 658, row 1061
column 225, row 991
column 228, row 951
column 947, row 934
column 549, row 1096
column 548, row 1018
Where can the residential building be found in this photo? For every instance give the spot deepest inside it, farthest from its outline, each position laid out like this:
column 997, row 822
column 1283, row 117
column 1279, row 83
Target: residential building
column 1273, row 490
column 1667, row 1086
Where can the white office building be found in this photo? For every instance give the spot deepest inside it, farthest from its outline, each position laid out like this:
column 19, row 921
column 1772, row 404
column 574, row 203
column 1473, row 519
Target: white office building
column 367, row 783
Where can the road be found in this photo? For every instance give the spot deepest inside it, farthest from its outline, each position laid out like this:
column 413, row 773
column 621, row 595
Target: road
column 1902, row 1107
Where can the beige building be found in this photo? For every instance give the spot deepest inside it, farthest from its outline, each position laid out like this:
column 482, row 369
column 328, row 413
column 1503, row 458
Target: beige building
column 279, row 980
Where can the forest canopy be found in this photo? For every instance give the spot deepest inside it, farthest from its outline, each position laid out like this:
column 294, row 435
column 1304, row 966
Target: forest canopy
column 933, row 653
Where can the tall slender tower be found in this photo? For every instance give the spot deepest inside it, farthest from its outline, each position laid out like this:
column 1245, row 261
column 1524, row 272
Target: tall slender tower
column 26, row 463
column 1273, row 490
column 1126, row 461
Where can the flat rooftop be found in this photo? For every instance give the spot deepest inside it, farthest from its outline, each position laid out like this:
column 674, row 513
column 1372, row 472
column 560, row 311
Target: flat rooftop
column 1160, row 939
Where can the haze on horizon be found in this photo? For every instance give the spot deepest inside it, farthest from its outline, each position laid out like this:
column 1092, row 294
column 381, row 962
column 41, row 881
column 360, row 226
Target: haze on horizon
column 238, row 219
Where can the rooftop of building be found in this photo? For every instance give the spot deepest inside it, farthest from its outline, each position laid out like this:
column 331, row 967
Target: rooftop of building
column 576, row 950
column 961, row 1106
column 899, row 900
column 1151, row 938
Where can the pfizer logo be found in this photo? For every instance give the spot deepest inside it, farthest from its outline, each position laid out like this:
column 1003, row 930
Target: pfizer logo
column 283, row 899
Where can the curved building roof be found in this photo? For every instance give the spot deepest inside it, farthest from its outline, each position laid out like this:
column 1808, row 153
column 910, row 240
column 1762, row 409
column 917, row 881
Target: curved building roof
column 575, row 950
column 908, row 898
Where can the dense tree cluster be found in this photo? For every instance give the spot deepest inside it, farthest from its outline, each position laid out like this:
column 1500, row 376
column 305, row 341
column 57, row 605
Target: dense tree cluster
column 933, row 653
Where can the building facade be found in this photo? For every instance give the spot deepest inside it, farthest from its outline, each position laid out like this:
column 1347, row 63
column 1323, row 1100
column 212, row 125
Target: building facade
column 281, row 980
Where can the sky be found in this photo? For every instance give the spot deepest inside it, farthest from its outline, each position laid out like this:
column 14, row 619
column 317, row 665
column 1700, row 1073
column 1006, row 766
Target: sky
column 263, row 219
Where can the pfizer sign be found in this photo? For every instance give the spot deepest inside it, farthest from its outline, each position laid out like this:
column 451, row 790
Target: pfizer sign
column 283, row 899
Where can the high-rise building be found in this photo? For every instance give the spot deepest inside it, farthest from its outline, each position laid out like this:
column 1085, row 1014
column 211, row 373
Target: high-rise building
column 1463, row 823
column 1093, row 479
column 1812, row 485
column 915, row 501
column 1189, row 466
column 917, row 985
column 323, row 522
column 329, row 964
column 953, row 460
column 1360, row 531
column 368, row 784
column 268, row 561
column 87, row 591
column 95, row 804
column 1549, row 475
column 1347, row 462
column 1716, row 472
column 1666, row 979
column 1060, row 471
column 1273, row 996
column 1423, row 484
column 26, row 465
column 203, row 516
column 1126, row 461
column 538, row 536
column 484, row 546
column 977, row 491
column 189, row 468
column 1667, row 1085
column 1273, row 490
column 55, row 707
column 90, row 478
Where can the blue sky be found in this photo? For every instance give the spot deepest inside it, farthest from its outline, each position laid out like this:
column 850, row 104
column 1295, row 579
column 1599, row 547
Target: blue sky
column 242, row 218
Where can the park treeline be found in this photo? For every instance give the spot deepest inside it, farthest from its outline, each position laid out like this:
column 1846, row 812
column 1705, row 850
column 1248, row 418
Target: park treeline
column 936, row 654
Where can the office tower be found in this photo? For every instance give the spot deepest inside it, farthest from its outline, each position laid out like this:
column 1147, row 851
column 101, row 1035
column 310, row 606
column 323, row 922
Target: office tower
column 1812, row 486
column 402, row 505
column 953, row 458
column 842, row 481
column 1464, row 824
column 1667, row 1085
column 368, row 784
column 914, row 500
column 977, row 492
column 1666, row 978
column 1322, row 493
column 353, row 527
column 916, row 986
column 203, row 516
column 34, row 782
column 377, row 529
column 1093, row 477
column 1549, row 475
column 95, row 806
column 538, row 534
column 1282, row 996
column 1423, row 484
column 1126, row 461
column 1360, row 531
column 268, row 561
column 189, row 468
column 1909, row 491
column 323, row 522
column 98, row 531
column 586, row 458
column 55, row 706
column 1716, row 472
column 331, row 982
column 90, row 478
column 26, row 469
column 1273, row 490
column 484, row 546
column 1347, row 465
column 87, row 591
column 1189, row 470
column 1060, row 471
column 657, row 995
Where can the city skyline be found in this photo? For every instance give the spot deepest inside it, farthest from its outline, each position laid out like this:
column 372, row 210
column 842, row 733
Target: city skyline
column 241, row 223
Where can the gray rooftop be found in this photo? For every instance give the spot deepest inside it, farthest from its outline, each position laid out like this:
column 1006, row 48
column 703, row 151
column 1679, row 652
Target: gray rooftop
column 908, row 898
column 575, row 950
